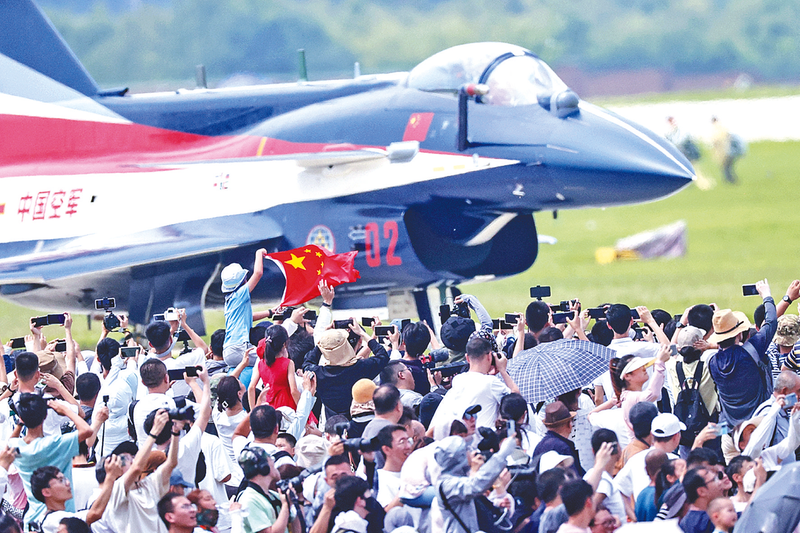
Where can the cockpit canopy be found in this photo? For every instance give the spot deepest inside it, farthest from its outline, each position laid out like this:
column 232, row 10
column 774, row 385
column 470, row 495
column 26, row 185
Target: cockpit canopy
column 514, row 75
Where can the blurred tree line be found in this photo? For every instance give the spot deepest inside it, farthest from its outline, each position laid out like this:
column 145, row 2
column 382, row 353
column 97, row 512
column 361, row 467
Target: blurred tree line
column 122, row 41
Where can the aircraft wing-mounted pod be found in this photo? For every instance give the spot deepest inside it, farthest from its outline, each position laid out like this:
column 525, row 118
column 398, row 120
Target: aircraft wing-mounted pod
column 432, row 175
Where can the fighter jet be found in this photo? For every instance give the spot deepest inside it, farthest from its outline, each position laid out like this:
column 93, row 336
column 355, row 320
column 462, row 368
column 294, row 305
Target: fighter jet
column 433, row 175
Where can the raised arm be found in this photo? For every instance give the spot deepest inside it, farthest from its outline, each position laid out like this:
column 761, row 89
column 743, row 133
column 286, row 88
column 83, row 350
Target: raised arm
column 85, row 431
column 647, row 318
column 140, row 461
column 255, row 377
column 71, row 356
column 792, row 293
column 204, row 394
column 196, row 339
column 172, row 456
column 258, row 269
column 325, row 316
column 113, row 467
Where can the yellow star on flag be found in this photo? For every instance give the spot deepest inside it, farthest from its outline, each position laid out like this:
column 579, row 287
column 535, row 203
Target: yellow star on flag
column 307, row 251
column 319, row 254
column 296, row 262
column 319, row 272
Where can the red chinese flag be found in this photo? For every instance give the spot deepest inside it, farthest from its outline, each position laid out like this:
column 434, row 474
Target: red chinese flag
column 305, row 267
column 417, row 127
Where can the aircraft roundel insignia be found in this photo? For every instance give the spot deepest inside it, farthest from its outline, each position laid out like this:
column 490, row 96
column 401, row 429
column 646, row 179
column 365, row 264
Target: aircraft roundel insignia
column 322, row 236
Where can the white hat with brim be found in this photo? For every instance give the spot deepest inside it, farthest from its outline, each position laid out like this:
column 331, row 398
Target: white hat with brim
column 552, row 459
column 727, row 324
column 666, row 425
column 636, row 363
column 232, row 276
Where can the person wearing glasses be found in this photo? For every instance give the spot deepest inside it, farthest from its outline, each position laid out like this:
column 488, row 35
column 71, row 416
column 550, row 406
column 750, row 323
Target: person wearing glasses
column 396, row 446
column 178, row 513
column 702, row 485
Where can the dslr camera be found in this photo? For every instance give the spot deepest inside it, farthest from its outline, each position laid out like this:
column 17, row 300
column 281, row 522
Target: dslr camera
column 460, row 309
column 110, row 320
column 181, row 412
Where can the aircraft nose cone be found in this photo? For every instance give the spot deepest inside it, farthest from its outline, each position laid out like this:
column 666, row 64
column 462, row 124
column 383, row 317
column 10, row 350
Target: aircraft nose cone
column 601, row 159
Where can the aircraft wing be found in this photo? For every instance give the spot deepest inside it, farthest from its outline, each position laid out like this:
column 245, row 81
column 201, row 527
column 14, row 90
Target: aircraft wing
column 111, row 250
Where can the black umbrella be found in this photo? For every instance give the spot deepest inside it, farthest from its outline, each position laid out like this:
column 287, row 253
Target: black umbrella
column 553, row 368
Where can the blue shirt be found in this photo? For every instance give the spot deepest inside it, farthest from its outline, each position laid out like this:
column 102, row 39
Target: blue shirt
column 238, row 317
column 696, row 522
column 55, row 450
column 646, row 509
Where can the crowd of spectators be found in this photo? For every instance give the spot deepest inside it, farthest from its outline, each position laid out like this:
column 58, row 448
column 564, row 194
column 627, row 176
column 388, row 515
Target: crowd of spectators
column 282, row 423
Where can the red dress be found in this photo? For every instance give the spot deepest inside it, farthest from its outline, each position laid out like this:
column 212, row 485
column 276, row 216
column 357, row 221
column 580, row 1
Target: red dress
column 279, row 394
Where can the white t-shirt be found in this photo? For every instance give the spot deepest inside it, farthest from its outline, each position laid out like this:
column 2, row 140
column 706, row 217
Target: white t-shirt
column 146, row 405
column 188, row 452
column 120, row 396
column 388, row 486
column 633, row 478
column 52, row 520
column 239, row 444
column 84, row 481
column 218, row 467
column 613, row 500
column 134, row 511
column 469, row 389
column 226, row 425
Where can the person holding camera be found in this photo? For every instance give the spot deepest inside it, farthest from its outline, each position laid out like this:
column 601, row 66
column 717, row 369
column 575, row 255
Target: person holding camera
column 160, row 335
column 457, row 490
column 268, row 511
column 133, row 499
column 485, row 384
column 116, row 392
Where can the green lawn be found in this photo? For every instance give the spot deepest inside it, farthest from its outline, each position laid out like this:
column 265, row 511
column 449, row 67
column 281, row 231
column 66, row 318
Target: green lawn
column 756, row 91
column 737, row 234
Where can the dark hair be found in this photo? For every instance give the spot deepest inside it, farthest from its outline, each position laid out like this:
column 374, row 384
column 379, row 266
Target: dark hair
column 478, row 347
column 385, row 435
column 165, row 434
column 106, row 350
column 458, row 428
column 335, row 460
column 537, row 315
column 416, row 337
column 8, row 524
column 87, row 386
column 32, row 409
column 332, row 422
column 549, row 482
column 727, row 343
column 550, row 334
column 256, row 333
column 662, row 483
column 26, row 364
column 661, row 317
column 152, row 372
column 602, row 333
column 616, row 366
column 228, row 393
column 390, row 372
column 698, row 456
column 165, row 506
column 263, row 421
column 669, row 328
column 299, row 344
column 288, row 437
column 348, row 490
column 217, row 342
column 619, row 318
column 40, row 480
column 75, row 525
column 690, row 354
column 386, row 397
column 290, row 471
column 574, row 494
column 735, row 466
column 693, row 480
column 601, row 436
column 641, row 418
column 274, row 340
column 407, row 416
column 513, row 406
column 530, row 342
column 759, row 315
column 700, row 316
column 158, row 334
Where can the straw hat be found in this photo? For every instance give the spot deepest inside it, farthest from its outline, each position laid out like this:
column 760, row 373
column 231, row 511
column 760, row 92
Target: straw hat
column 727, row 324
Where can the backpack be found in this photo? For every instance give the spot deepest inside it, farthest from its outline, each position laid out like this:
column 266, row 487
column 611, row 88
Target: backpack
column 689, row 406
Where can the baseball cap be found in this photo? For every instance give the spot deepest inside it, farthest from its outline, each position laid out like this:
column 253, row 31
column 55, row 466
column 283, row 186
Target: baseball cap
column 666, row 425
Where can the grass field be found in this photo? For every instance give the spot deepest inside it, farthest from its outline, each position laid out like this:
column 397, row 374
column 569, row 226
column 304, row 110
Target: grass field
column 737, row 234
